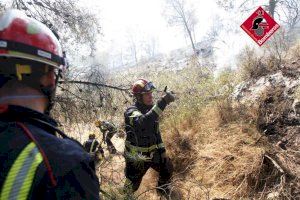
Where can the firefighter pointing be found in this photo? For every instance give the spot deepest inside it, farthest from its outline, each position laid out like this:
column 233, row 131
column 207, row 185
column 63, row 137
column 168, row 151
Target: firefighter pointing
column 144, row 147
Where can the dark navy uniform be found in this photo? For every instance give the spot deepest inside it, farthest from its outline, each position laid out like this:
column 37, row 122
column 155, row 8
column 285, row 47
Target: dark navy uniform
column 35, row 164
column 144, row 147
column 91, row 145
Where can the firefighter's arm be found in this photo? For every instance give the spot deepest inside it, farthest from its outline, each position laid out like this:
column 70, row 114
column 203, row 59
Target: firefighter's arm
column 136, row 118
column 113, row 127
column 102, row 128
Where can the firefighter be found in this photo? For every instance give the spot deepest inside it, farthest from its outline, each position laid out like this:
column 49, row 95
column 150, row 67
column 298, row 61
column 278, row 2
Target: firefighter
column 108, row 130
column 35, row 164
column 93, row 147
column 144, row 147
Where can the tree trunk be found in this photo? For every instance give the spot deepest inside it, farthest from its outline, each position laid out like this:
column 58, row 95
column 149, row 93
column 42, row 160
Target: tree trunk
column 191, row 38
column 272, row 5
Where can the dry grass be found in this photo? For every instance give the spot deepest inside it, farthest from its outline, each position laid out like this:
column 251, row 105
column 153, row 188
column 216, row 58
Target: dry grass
column 255, row 63
column 217, row 158
column 228, row 159
column 294, row 52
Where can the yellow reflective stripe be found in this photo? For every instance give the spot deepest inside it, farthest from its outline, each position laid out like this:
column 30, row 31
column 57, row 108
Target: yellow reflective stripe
column 144, row 149
column 131, row 121
column 91, row 149
column 20, row 176
column 157, row 109
column 30, row 176
column 97, row 146
column 14, row 171
column 161, row 145
column 133, row 115
column 136, row 113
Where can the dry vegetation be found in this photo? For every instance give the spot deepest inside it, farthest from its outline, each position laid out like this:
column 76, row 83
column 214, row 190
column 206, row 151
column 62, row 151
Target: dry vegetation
column 276, row 53
column 218, row 147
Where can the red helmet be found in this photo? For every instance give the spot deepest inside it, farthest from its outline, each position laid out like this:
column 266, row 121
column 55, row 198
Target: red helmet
column 142, row 86
column 27, row 38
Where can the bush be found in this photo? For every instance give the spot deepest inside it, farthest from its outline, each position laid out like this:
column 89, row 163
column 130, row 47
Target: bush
column 254, row 65
column 274, row 109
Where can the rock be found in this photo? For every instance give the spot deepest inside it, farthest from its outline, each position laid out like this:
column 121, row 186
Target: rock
column 278, row 117
column 249, row 92
column 273, row 195
column 296, row 107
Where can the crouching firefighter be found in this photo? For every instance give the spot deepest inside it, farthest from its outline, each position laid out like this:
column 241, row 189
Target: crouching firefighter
column 93, row 147
column 35, row 164
column 144, row 147
column 108, row 130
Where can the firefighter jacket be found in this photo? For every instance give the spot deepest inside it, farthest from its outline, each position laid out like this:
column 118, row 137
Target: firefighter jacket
column 142, row 127
column 36, row 164
column 91, row 145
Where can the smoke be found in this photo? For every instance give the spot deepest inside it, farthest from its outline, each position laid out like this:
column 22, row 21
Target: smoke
column 228, row 47
column 228, row 38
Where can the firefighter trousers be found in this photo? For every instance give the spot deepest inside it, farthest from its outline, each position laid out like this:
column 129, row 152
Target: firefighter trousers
column 134, row 173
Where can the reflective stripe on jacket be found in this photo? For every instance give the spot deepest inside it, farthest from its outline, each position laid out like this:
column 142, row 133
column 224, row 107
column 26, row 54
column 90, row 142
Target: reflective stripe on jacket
column 19, row 180
column 142, row 126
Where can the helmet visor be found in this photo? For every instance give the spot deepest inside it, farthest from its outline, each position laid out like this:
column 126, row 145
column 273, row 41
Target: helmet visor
column 149, row 87
column 26, row 69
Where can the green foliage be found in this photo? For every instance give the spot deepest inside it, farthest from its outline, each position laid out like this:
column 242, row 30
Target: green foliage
column 198, row 95
column 251, row 64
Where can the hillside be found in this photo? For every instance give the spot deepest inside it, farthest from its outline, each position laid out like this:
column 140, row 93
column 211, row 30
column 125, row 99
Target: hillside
column 150, row 100
column 230, row 136
column 239, row 142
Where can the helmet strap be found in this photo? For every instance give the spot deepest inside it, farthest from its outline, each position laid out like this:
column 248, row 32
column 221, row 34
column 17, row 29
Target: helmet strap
column 49, row 92
column 139, row 98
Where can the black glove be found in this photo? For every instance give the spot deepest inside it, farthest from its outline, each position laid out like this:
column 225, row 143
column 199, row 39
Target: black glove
column 169, row 97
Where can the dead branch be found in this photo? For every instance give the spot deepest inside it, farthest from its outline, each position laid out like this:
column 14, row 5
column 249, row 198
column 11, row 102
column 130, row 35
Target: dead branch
column 275, row 164
column 94, row 84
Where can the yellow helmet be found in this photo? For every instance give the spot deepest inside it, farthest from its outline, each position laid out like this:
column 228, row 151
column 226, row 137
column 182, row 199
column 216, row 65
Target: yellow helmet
column 98, row 123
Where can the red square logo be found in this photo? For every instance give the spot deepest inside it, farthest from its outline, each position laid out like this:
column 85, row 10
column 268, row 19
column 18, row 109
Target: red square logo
column 260, row 26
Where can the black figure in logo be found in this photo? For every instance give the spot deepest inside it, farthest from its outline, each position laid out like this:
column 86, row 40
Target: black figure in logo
column 259, row 24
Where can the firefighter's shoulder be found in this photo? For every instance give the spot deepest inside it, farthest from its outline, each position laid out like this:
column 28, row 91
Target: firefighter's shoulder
column 63, row 154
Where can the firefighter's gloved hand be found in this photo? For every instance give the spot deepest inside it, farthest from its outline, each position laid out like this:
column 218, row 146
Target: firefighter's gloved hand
column 169, row 97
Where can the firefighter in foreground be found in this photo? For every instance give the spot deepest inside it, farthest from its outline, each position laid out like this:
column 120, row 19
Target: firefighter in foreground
column 144, row 147
column 93, row 147
column 35, row 164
